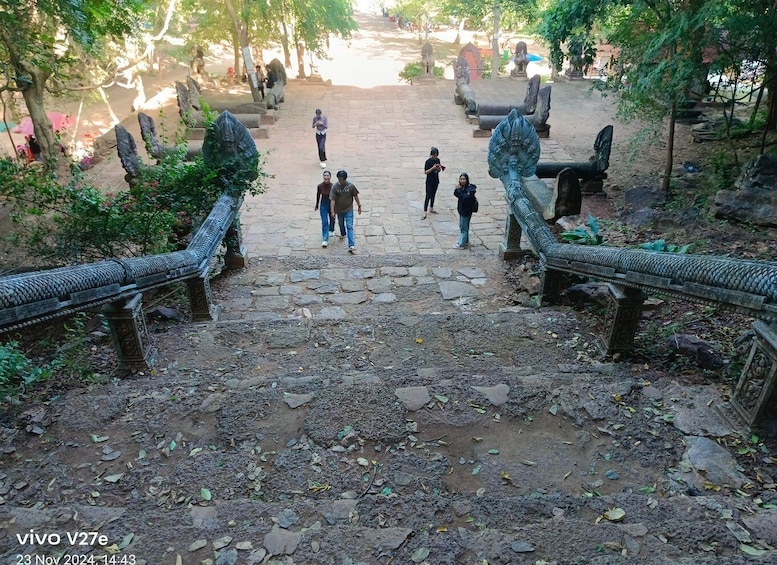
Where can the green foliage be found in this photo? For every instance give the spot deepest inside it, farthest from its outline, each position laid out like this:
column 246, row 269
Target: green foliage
column 583, row 236
column 75, row 222
column 415, row 70
column 73, row 357
column 17, row 373
column 719, row 171
column 663, row 247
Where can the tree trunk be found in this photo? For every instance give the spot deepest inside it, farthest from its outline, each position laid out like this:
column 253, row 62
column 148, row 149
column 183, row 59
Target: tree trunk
column 300, row 60
column 771, row 99
column 285, row 44
column 44, row 131
column 242, row 33
column 669, row 162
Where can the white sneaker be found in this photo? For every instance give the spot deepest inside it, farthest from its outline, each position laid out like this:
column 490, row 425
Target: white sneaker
column 352, row 248
column 323, row 165
column 324, row 243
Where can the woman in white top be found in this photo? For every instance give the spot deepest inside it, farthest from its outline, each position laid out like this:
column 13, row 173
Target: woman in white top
column 320, row 124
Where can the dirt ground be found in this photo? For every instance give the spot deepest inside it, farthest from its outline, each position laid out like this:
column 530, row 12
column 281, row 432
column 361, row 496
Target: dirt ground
column 419, row 429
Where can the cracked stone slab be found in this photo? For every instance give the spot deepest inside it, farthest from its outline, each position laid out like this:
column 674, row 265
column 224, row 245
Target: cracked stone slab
column 393, row 271
column 496, row 395
column 304, row 275
column 307, row 300
column 349, row 297
column 451, row 290
column 382, row 284
column 472, row 272
column 281, row 542
column 297, row 400
column 332, row 313
column 384, row 298
column 361, row 273
column 413, row 397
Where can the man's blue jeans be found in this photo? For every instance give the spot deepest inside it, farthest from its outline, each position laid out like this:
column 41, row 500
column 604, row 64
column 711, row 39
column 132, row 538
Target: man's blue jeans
column 345, row 219
column 464, row 229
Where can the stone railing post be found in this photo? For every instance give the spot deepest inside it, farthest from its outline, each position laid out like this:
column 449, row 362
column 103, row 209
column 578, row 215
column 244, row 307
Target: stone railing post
column 623, row 315
column 201, row 300
column 756, row 385
column 237, row 254
column 510, row 248
column 553, row 284
column 130, row 335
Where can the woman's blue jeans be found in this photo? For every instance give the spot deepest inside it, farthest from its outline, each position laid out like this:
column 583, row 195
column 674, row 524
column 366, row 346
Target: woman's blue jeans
column 325, row 208
column 464, row 229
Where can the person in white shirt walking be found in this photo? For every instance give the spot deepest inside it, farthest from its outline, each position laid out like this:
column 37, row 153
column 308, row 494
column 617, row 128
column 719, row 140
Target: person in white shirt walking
column 321, row 124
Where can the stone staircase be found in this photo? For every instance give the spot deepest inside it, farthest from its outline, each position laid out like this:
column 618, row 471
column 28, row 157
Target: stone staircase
column 374, row 409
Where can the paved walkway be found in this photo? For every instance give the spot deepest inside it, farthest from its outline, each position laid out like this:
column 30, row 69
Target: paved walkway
column 381, row 136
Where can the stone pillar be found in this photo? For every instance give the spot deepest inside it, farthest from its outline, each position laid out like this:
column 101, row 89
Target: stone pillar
column 510, row 248
column 623, row 315
column 236, row 255
column 553, row 283
column 201, row 300
column 757, row 383
column 130, row 335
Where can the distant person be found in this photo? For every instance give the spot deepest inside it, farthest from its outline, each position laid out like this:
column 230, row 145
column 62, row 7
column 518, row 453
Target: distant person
column 34, row 148
column 324, row 204
column 343, row 195
column 321, row 124
column 432, row 169
column 260, row 78
column 198, row 61
column 465, row 192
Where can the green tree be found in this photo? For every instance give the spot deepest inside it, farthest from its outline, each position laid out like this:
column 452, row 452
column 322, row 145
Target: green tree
column 661, row 43
column 40, row 39
column 313, row 23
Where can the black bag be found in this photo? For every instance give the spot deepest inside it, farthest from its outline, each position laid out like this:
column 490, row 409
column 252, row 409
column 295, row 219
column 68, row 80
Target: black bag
column 475, row 204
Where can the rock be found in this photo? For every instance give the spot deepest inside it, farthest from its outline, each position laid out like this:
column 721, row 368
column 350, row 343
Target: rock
column 332, row 313
column 472, row 272
column 711, row 462
column 197, row 545
column 281, row 542
column 222, row 542
column 701, row 351
column 451, row 290
column 596, row 293
column 287, row 518
column 413, row 397
column 228, row 557
column 297, row 400
column 694, row 410
column 755, row 200
column 521, row 547
column 203, row 516
column 763, row 525
column 339, row 511
column 496, row 395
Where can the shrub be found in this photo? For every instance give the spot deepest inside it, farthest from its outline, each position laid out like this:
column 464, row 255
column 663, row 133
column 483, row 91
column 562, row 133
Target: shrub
column 414, row 70
column 16, row 371
column 75, row 222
